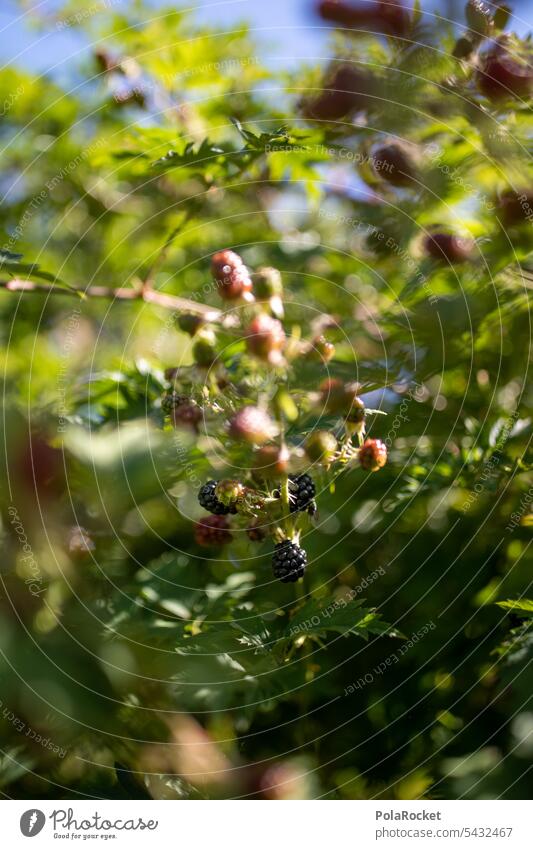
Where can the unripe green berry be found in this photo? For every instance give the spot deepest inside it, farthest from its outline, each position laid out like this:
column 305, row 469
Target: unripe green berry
column 190, row 323
column 229, row 492
column 267, row 283
column 204, row 350
column 356, row 414
column 321, row 446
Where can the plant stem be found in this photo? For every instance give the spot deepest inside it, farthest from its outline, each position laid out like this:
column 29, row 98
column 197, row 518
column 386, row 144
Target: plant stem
column 148, row 295
column 285, row 500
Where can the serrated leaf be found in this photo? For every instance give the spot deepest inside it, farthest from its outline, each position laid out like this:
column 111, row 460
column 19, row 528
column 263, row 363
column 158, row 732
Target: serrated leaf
column 189, row 157
column 339, row 615
column 11, row 262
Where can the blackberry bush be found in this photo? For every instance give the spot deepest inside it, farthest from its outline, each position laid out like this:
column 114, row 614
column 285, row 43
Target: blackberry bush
column 265, row 337
column 272, row 488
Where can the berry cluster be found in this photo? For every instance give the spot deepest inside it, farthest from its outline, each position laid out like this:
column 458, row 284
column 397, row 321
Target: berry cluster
column 274, row 497
column 181, row 410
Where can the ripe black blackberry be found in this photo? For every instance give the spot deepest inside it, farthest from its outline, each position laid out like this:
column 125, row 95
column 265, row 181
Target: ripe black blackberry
column 210, row 502
column 289, row 561
column 171, row 399
column 301, row 493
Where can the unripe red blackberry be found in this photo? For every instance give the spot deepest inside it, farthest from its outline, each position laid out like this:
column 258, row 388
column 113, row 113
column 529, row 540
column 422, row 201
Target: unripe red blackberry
column 446, row 246
column 253, row 425
column 267, row 283
column 322, row 349
column 284, row 781
column 265, row 338
column 256, row 532
column 320, row 447
column 80, row 543
column 395, row 163
column 187, row 415
column 204, row 349
column 212, row 531
column 230, row 492
column 208, row 499
column 390, row 18
column 503, row 75
column 516, row 207
column 347, row 90
column 190, row 323
column 231, row 275
column 373, row 455
column 271, row 461
column 337, row 396
column 342, row 13
column 38, row 467
column 289, row 561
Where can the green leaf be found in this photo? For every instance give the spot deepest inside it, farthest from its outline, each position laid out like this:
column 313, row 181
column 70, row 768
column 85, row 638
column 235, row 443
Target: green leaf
column 521, row 605
column 339, row 615
column 190, row 157
column 11, row 262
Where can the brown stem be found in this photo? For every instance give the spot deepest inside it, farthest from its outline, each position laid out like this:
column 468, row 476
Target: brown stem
column 169, row 302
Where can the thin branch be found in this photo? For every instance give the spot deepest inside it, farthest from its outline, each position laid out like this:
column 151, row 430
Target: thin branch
column 162, row 255
column 169, row 302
